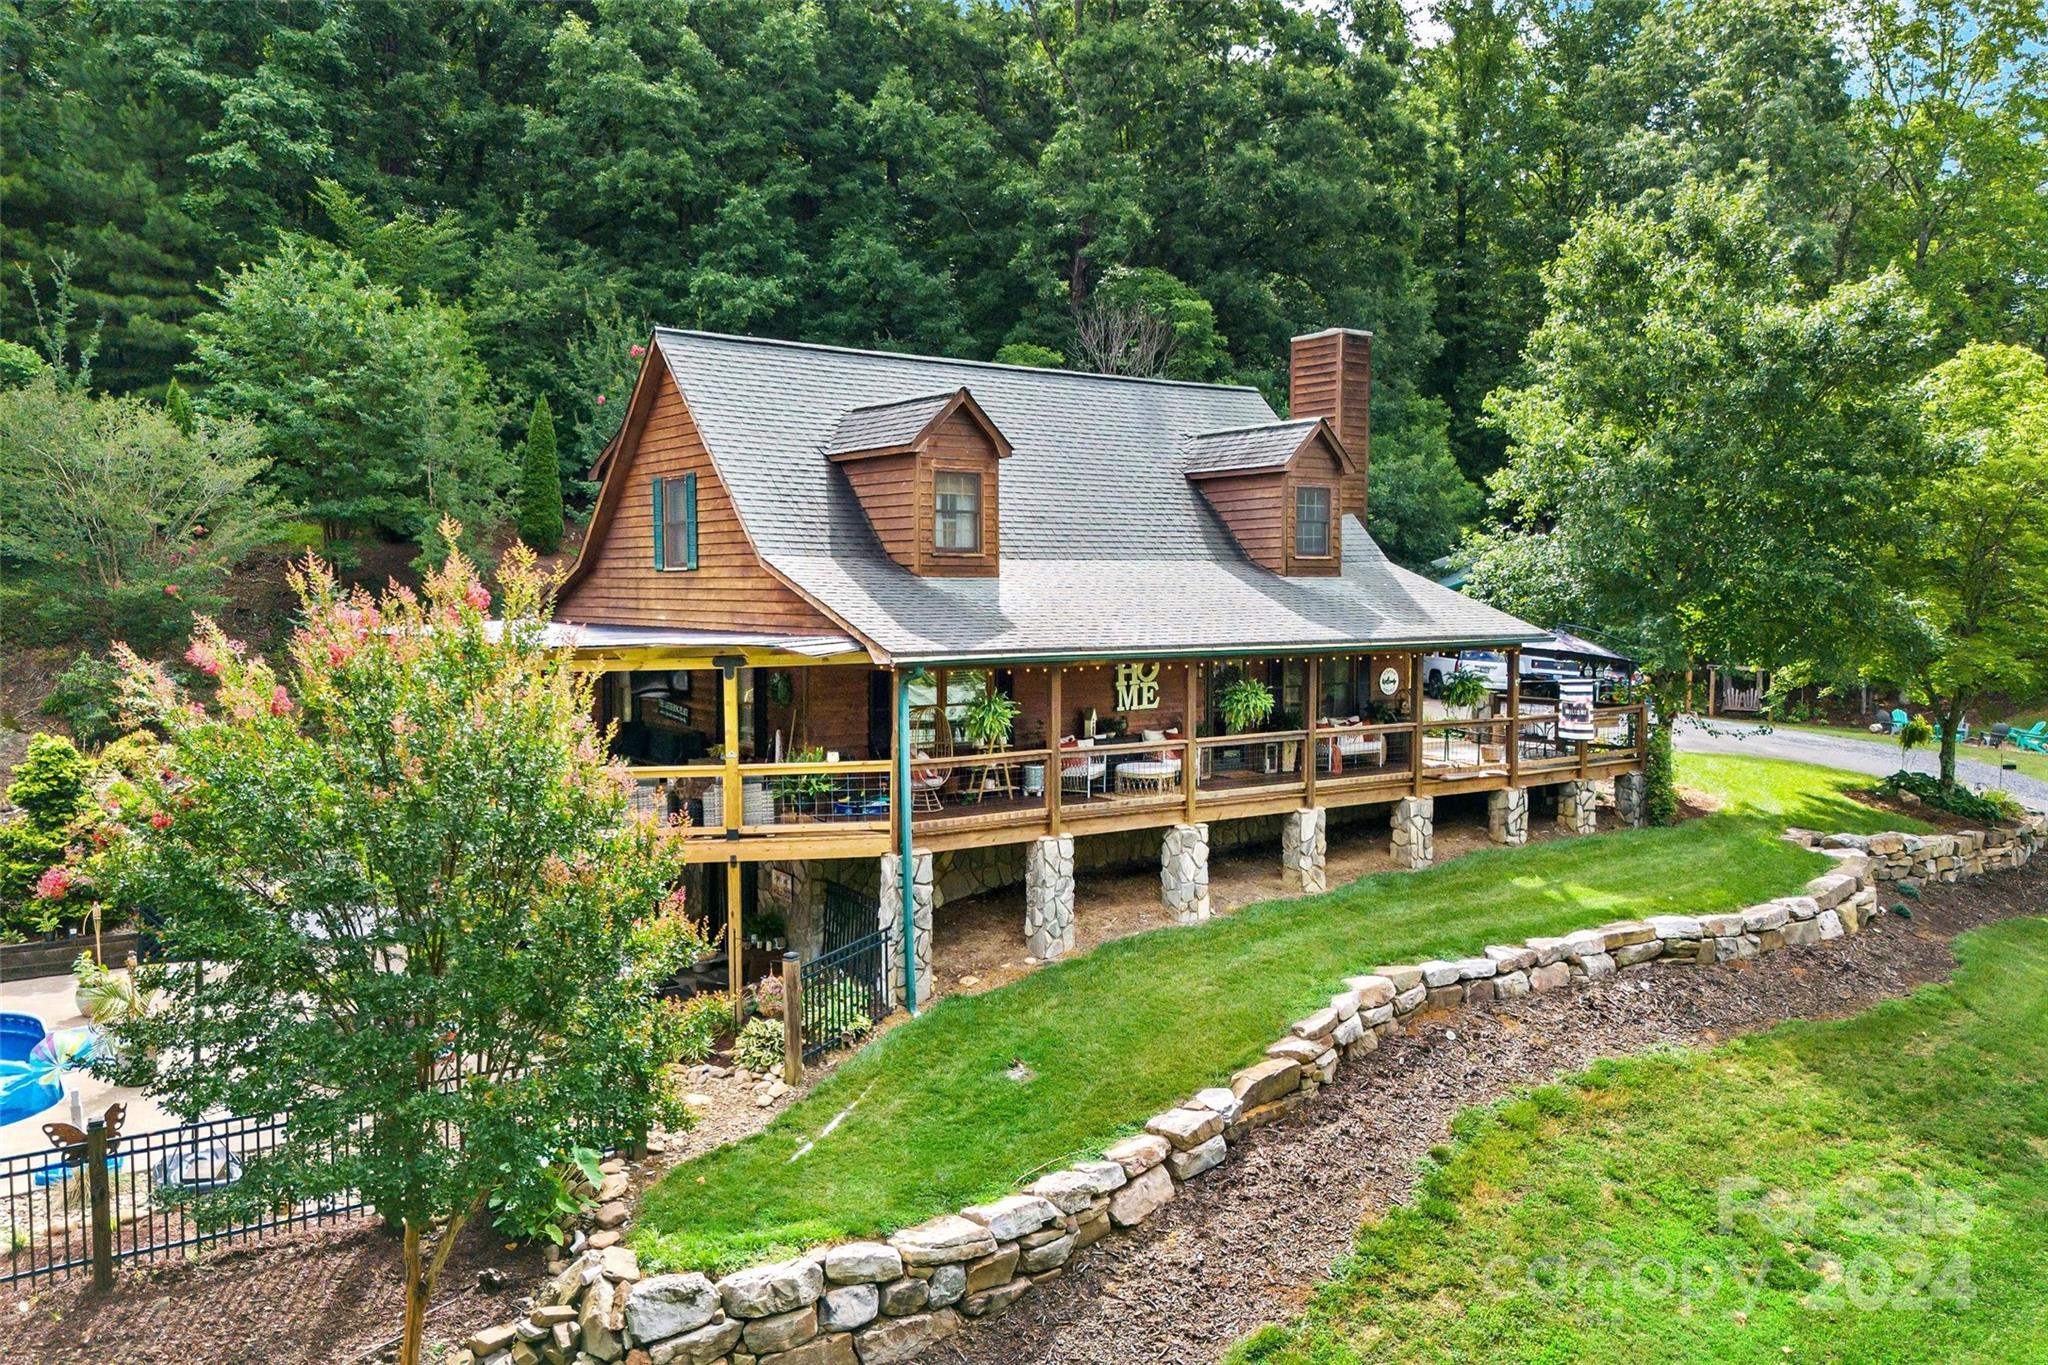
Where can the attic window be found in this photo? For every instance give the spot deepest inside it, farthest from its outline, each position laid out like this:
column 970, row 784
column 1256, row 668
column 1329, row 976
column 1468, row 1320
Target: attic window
column 1312, row 521
column 956, row 512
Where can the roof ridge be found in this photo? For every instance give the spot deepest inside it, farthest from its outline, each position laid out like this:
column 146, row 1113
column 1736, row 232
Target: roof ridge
column 904, row 402
column 1254, row 426
column 957, row 360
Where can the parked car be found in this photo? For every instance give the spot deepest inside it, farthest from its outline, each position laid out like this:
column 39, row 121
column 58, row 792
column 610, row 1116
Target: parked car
column 1490, row 664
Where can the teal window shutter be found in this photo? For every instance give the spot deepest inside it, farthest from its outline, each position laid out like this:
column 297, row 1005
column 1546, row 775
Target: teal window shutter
column 689, row 521
column 658, row 561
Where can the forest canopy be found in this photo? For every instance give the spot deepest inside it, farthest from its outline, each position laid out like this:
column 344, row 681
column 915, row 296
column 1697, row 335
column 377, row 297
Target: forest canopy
column 506, row 196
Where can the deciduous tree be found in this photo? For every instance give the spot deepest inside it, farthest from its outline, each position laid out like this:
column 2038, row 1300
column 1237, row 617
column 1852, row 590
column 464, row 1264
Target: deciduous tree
column 432, row 929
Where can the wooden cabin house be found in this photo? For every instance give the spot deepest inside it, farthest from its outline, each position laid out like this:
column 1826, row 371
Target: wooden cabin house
column 813, row 575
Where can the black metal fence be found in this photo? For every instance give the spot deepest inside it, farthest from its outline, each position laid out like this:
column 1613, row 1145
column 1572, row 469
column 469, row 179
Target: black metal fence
column 68, row 1208
column 843, row 993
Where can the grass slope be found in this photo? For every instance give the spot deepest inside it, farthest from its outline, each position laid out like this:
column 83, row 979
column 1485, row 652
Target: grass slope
column 931, row 1121
column 1900, row 1210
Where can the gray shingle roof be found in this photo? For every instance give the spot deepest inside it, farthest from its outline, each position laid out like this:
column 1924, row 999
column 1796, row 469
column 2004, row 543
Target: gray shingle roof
column 1266, row 446
column 885, row 424
column 1107, row 548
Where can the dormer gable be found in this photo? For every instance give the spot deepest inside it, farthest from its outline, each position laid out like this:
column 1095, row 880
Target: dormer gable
column 926, row 471
column 1278, row 487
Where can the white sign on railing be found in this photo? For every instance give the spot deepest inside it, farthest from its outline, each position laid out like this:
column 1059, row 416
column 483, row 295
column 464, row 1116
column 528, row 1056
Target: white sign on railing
column 1575, row 710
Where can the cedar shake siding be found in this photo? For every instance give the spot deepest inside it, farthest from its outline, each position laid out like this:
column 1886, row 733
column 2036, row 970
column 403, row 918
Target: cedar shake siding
column 1329, row 374
column 893, row 454
column 615, row 580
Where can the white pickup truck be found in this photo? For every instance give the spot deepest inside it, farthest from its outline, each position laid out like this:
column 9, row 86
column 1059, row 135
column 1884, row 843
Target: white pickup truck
column 1540, row 675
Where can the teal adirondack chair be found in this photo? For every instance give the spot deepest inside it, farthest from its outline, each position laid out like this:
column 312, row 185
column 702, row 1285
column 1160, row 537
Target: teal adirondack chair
column 2034, row 741
column 1899, row 719
column 1962, row 733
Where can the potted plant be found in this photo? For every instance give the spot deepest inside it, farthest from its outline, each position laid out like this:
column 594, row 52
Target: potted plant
column 988, row 719
column 804, row 791
column 1465, row 690
column 1243, row 703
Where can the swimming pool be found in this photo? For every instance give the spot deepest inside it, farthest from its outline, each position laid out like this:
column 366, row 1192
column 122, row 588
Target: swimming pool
column 25, row 1088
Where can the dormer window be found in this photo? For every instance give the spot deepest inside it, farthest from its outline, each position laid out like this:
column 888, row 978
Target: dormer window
column 1275, row 486
column 927, row 473
column 956, row 512
column 1311, row 521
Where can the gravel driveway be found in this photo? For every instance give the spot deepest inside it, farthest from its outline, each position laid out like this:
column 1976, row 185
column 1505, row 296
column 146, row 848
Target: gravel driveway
column 1879, row 760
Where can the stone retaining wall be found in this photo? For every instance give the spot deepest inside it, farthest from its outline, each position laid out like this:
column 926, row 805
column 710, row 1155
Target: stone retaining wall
column 870, row 1303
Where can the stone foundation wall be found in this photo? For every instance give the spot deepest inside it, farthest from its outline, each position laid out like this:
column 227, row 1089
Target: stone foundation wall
column 1184, row 872
column 877, row 1302
column 1414, row 832
column 1578, row 805
column 889, row 917
column 1632, row 799
column 1507, row 816
column 1304, row 851
column 1049, row 897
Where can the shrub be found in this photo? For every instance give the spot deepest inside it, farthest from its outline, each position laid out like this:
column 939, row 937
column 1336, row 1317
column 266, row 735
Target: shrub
column 759, row 1047
column 698, row 1022
column 83, row 697
column 50, row 788
column 1992, row 807
column 540, row 483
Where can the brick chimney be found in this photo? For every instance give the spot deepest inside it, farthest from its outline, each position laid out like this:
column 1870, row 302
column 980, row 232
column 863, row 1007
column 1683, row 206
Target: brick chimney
column 1329, row 374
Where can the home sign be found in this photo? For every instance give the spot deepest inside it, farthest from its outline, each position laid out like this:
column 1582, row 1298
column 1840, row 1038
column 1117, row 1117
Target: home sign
column 1137, row 687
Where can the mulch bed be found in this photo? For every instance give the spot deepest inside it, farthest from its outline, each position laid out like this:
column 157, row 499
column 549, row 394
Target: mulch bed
column 1255, row 1237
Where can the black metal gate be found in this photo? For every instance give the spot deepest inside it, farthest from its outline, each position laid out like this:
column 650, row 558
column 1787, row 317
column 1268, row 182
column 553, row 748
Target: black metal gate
column 848, row 917
column 844, row 993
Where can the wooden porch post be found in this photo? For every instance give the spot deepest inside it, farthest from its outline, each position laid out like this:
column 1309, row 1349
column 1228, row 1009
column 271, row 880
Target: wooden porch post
column 1314, row 705
column 1515, row 717
column 1415, row 700
column 735, row 946
column 1055, row 721
column 1190, row 768
column 729, row 792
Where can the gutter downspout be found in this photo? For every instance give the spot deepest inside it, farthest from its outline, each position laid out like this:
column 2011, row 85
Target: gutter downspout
column 903, row 867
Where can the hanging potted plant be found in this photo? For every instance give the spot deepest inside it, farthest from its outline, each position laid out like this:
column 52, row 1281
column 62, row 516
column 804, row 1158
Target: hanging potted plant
column 1243, row 703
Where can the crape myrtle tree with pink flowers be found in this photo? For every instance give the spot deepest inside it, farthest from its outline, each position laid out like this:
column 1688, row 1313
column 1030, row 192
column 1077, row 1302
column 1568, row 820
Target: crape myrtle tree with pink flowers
column 433, row 930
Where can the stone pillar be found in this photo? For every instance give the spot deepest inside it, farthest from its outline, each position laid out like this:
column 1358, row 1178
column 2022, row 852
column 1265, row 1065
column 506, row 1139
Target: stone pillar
column 1632, row 799
column 1049, row 897
column 890, row 918
column 1576, row 804
column 1414, row 826
column 1184, row 872
column 1507, row 816
column 1304, row 847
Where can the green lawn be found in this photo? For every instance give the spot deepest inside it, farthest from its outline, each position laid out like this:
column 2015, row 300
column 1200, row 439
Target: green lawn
column 928, row 1118
column 1900, row 1210
column 2032, row 764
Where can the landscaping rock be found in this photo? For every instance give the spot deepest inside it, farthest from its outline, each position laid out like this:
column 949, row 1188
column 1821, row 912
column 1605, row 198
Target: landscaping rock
column 781, row 1331
column 862, row 1263
column 780, row 1287
column 895, row 1340
column 1596, row 966
column 1476, row 968
column 905, row 1296
column 1760, row 919
column 600, row 1338
column 1668, row 927
column 992, row 1270
column 995, row 1300
column 1371, row 990
column 1219, row 1100
column 1140, row 1199
column 946, row 1285
column 1830, row 923
column 700, row 1347
column 1436, row 972
column 1549, row 950
column 1049, row 1255
column 1192, row 1162
column 1069, row 1191
column 1184, row 1128
column 849, row 1306
column 1404, row 978
column 1512, row 957
column 1549, row 977
column 943, row 1240
column 1260, row 1083
column 1141, row 1153
column 669, row 1305
column 1628, row 955
column 1012, row 1216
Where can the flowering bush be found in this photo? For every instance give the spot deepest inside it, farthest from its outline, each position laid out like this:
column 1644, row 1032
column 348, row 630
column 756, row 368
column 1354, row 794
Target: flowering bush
column 413, row 872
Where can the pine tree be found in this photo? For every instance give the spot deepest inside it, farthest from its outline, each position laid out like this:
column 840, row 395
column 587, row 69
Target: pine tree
column 178, row 407
column 540, row 483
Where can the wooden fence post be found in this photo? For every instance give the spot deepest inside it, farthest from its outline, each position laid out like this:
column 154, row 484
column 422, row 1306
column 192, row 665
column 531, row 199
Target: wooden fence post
column 102, row 1204
column 792, row 1020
